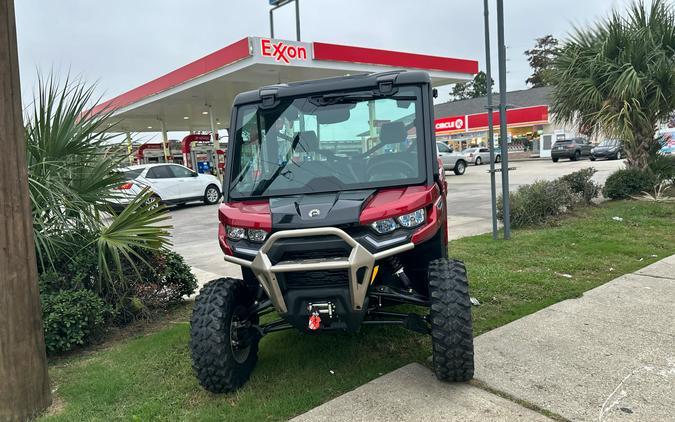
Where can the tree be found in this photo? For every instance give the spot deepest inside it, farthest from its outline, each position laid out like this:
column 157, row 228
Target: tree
column 24, row 383
column 618, row 78
column 541, row 59
column 473, row 89
column 72, row 184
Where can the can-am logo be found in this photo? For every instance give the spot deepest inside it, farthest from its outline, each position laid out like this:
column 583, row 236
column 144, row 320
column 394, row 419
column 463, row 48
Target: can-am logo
column 457, row 123
column 281, row 51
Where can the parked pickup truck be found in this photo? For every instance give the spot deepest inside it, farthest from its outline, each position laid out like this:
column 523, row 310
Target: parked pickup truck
column 451, row 160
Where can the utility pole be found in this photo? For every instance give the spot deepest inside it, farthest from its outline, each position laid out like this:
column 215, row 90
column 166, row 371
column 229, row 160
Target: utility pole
column 24, row 382
column 490, row 109
column 506, row 203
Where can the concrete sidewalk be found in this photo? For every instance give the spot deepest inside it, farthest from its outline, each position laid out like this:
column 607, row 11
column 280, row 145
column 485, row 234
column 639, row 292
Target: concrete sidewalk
column 607, row 356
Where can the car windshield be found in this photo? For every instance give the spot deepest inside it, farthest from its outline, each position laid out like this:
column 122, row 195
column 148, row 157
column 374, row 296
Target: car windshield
column 608, row 143
column 330, row 142
column 469, row 150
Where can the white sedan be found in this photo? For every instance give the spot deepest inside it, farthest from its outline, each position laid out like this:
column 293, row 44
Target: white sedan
column 171, row 184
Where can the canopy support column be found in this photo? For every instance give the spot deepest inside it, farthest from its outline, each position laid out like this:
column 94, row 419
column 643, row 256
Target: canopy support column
column 130, row 149
column 214, row 138
column 165, row 140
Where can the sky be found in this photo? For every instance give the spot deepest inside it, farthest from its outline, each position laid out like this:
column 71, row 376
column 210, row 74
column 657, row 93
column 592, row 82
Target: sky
column 121, row 44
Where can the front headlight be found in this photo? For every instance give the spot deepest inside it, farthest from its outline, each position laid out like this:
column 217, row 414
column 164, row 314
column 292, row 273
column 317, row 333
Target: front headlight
column 256, row 235
column 413, row 219
column 384, row 226
column 408, row 221
column 236, row 233
column 239, row 233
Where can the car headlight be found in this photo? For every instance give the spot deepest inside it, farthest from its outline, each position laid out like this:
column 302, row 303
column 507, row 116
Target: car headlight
column 256, row 235
column 408, row 221
column 413, row 219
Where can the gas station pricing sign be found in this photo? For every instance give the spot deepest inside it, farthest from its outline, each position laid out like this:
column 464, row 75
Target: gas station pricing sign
column 281, row 51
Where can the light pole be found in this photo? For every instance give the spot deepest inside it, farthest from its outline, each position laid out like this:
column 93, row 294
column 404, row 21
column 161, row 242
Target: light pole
column 491, row 133
column 506, row 205
column 279, row 3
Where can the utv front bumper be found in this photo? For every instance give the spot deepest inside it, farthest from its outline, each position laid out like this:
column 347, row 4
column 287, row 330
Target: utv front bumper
column 359, row 264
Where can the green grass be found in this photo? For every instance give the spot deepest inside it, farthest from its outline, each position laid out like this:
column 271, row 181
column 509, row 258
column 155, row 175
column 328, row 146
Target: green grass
column 149, row 377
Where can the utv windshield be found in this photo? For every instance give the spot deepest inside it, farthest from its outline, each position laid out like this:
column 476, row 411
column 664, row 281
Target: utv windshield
column 330, row 142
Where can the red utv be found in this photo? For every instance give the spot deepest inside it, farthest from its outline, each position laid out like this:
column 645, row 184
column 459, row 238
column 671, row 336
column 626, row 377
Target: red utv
column 335, row 209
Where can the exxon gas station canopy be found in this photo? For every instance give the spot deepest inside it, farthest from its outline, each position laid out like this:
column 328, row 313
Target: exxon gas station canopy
column 186, row 98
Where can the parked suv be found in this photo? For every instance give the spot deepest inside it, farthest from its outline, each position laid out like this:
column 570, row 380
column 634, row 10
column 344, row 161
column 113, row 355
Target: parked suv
column 570, row 148
column 451, row 160
column 169, row 183
column 611, row 149
column 331, row 227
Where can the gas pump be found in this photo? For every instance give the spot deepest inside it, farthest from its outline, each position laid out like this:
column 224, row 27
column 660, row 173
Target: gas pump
column 150, row 153
column 199, row 153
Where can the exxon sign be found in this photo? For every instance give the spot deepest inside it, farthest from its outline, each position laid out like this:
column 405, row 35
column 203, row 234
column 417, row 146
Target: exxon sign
column 282, row 52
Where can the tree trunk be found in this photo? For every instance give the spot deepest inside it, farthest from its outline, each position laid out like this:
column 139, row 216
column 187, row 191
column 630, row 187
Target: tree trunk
column 639, row 152
column 24, row 383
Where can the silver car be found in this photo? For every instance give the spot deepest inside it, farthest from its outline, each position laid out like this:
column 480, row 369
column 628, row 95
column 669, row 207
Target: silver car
column 478, row 156
column 451, row 160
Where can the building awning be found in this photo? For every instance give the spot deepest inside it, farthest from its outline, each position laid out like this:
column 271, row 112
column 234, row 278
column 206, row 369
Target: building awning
column 187, row 98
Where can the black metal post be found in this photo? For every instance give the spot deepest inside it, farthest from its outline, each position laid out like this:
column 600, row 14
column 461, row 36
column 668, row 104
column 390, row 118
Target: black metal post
column 506, row 205
column 272, row 22
column 490, row 109
column 297, row 19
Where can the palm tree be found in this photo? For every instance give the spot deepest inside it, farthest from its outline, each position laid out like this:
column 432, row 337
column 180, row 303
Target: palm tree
column 72, row 183
column 618, row 78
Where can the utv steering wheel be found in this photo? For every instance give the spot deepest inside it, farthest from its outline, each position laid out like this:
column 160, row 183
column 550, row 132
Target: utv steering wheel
column 397, row 168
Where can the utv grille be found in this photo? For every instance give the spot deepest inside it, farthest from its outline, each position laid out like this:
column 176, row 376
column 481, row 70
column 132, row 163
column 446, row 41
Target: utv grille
column 313, row 254
column 313, row 279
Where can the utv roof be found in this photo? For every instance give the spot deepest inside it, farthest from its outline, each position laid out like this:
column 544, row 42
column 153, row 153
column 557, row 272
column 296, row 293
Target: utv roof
column 340, row 83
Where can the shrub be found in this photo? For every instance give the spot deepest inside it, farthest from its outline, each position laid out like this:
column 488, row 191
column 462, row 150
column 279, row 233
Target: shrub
column 537, row 203
column 172, row 279
column 581, row 183
column 628, row 182
column 71, row 318
column 663, row 169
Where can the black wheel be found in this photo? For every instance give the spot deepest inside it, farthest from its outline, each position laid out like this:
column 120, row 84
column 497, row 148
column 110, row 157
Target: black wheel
column 554, row 159
column 460, row 168
column 223, row 344
column 592, row 158
column 478, row 161
column 498, row 159
column 211, row 195
column 576, row 156
column 451, row 326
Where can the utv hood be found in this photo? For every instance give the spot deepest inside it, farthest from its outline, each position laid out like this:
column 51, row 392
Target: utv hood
column 318, row 210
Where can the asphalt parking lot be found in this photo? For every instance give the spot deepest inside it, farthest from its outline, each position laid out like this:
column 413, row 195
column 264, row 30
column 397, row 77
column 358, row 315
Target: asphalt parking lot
column 196, row 225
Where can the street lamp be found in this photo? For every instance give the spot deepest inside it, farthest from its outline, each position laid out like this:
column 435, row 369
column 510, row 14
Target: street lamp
column 279, row 3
